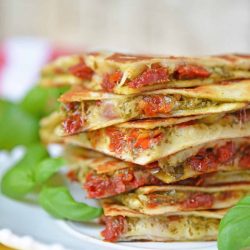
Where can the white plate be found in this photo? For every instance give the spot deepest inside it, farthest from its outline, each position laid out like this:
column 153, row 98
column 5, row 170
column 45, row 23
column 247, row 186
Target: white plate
column 44, row 232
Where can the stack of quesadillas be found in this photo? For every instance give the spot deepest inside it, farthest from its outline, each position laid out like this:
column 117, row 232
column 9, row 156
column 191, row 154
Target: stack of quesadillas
column 163, row 142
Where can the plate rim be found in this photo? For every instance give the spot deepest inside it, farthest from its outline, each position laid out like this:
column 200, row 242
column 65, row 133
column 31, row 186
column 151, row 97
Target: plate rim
column 26, row 242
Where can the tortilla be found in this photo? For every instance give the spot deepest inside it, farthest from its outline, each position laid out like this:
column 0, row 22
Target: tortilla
column 160, row 228
column 218, row 162
column 143, row 146
column 158, row 200
column 85, row 110
column 114, row 208
column 127, row 74
column 125, row 224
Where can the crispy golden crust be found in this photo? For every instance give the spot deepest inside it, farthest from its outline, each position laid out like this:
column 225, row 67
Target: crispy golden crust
column 231, row 59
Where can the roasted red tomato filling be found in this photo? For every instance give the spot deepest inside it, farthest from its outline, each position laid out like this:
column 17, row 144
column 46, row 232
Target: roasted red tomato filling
column 156, row 74
column 117, row 139
column 81, row 70
column 198, row 200
column 111, row 80
column 209, row 159
column 187, row 202
column 74, row 120
column 150, row 77
column 187, row 72
column 155, row 105
column 132, row 139
column 100, row 186
column 115, row 226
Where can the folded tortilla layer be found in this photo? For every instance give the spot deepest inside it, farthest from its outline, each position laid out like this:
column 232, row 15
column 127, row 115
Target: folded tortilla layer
column 125, row 224
column 126, row 74
column 226, row 161
column 85, row 110
column 160, row 228
column 144, row 142
column 158, row 200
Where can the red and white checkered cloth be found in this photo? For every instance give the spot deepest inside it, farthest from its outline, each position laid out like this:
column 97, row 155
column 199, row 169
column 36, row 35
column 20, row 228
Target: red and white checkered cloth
column 20, row 62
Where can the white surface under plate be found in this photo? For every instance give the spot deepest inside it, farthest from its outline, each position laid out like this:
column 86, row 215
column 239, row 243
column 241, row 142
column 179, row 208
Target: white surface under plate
column 45, row 232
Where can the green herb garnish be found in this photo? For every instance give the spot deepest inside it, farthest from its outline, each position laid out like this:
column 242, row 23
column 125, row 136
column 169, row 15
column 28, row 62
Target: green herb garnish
column 234, row 230
column 58, row 202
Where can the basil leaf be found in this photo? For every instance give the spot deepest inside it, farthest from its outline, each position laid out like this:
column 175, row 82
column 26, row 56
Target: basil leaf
column 58, row 202
column 47, row 168
column 16, row 126
column 41, row 101
column 234, row 230
column 19, row 180
column 4, row 104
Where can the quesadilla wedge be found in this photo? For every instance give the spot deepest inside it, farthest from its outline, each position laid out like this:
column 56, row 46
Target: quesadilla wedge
column 125, row 224
column 144, row 142
column 103, row 176
column 85, row 110
column 113, row 208
column 160, row 228
column 126, row 74
column 158, row 200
